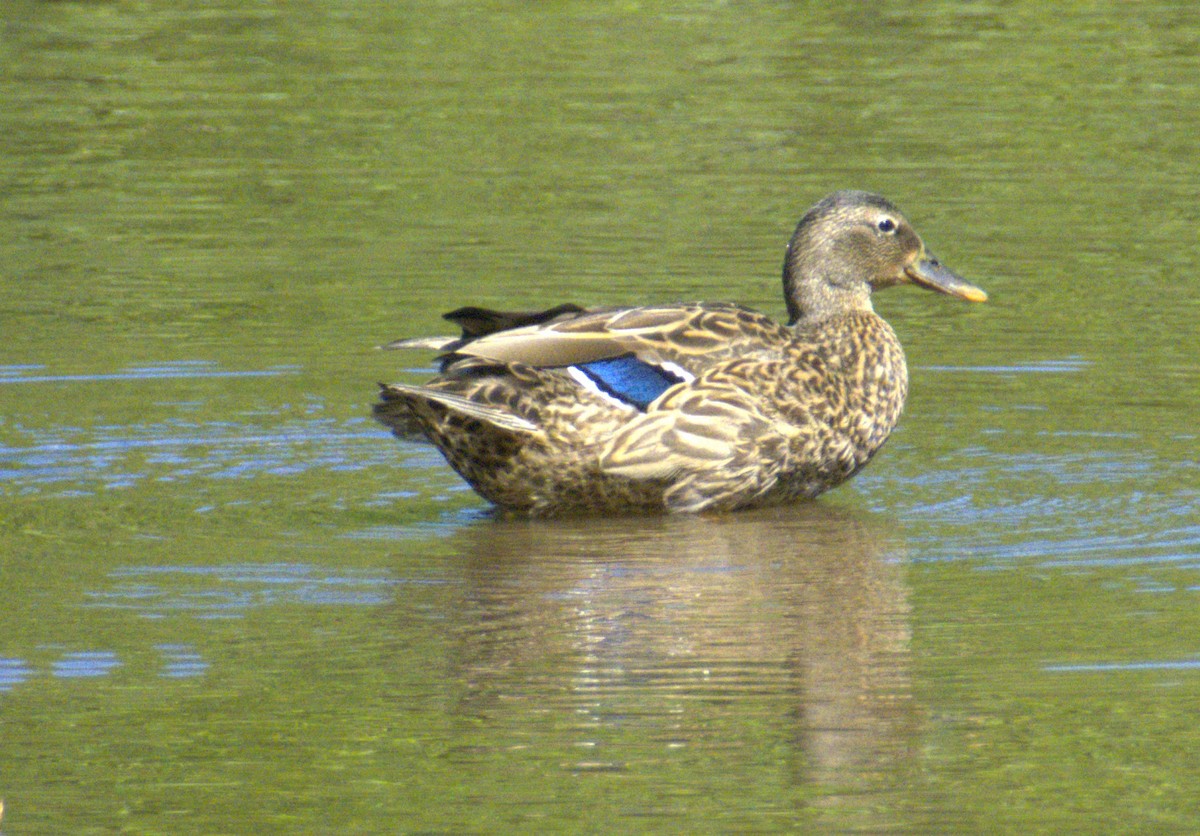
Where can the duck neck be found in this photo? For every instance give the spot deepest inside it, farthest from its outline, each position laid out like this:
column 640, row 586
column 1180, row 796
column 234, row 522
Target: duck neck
column 813, row 298
column 817, row 284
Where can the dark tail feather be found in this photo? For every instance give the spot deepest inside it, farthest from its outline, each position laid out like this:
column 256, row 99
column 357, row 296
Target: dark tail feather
column 479, row 322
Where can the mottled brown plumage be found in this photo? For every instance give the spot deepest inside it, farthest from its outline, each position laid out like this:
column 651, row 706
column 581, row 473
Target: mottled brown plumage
column 741, row 411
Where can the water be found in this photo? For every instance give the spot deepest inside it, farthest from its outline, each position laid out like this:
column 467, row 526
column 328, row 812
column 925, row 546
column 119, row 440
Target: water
column 231, row 602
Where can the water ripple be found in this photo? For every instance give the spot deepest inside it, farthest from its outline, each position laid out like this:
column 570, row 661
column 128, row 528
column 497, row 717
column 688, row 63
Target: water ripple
column 13, row 672
column 117, row 457
column 230, row 591
column 1067, row 365
column 181, row 661
column 1079, row 510
column 181, row 369
column 86, row 663
column 1103, row 667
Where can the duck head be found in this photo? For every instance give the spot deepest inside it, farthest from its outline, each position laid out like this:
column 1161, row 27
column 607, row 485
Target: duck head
column 850, row 244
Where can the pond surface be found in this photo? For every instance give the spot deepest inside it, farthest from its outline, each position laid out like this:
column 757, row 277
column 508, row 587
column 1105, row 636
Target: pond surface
column 232, row 603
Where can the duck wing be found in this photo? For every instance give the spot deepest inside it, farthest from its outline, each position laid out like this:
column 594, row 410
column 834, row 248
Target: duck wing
column 689, row 336
column 630, row 356
column 710, row 443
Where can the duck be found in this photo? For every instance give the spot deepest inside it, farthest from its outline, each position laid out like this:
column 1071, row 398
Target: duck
column 688, row 407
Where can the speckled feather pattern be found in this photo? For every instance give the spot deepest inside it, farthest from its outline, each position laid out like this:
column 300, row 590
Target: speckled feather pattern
column 773, row 415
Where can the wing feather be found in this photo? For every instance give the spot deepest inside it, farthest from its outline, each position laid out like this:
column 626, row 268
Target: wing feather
column 703, row 439
column 670, row 333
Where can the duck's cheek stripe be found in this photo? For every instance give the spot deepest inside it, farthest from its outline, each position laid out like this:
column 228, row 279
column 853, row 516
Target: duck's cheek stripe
column 628, row 380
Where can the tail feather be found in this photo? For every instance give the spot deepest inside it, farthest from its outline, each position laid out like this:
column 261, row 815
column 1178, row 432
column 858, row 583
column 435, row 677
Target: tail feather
column 421, row 343
column 404, row 392
column 479, row 322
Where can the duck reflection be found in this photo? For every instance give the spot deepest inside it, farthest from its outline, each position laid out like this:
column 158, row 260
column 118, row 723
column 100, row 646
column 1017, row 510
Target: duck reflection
column 783, row 629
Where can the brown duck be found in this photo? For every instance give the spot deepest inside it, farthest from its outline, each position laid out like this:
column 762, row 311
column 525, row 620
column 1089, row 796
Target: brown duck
column 685, row 407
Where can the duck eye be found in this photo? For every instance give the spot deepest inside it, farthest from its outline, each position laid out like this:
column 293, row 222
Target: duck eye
column 887, row 225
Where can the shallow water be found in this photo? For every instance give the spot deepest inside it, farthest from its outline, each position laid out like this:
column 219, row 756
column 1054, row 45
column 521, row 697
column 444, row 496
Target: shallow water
column 231, row 602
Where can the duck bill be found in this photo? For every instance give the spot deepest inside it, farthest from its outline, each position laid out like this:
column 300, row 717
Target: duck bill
column 927, row 272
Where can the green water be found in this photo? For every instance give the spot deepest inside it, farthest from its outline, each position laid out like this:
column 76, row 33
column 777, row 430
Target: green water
column 230, row 603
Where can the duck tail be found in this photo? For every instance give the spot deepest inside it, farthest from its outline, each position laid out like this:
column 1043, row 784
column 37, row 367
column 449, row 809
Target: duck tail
column 402, row 406
column 422, row 343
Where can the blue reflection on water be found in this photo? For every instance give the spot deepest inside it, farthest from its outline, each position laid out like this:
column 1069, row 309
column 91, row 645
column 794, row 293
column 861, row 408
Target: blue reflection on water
column 1118, row 505
column 121, row 456
column 230, row 591
column 180, row 369
column 1067, row 365
column 1169, row 665
column 78, row 461
column 216, row 451
column 178, row 661
column 86, row 663
column 181, row 661
column 1110, row 499
column 445, row 525
column 12, row 673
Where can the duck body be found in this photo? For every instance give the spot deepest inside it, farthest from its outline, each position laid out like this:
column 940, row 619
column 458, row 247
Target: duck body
column 681, row 408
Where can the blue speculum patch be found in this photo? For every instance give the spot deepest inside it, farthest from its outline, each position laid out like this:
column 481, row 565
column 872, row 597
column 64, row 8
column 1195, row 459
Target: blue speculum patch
column 629, row 379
